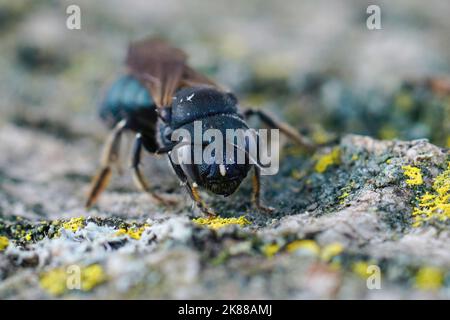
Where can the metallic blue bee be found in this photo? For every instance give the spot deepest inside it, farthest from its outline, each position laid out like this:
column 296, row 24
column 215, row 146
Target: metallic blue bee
column 160, row 94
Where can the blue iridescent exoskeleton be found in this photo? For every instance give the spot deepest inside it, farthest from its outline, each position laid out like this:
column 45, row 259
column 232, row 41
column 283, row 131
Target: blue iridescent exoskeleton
column 127, row 99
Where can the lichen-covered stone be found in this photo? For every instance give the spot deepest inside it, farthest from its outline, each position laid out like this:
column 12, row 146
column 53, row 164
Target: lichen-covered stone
column 356, row 206
column 315, row 227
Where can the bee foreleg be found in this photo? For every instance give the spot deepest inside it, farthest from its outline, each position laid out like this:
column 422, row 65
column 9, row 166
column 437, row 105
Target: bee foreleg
column 195, row 195
column 285, row 128
column 110, row 156
column 138, row 178
column 256, row 182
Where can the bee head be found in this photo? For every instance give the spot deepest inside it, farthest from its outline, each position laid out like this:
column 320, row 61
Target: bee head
column 197, row 110
column 219, row 178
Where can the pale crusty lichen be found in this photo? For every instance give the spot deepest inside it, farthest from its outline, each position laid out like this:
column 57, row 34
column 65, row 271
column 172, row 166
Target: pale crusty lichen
column 329, row 159
column 434, row 204
column 219, row 222
column 414, row 174
column 55, row 281
column 4, row 243
column 429, row 278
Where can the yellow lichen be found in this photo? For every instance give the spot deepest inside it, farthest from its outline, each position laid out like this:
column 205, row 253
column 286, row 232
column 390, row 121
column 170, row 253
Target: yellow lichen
column 4, row 243
column 270, row 250
column 434, row 204
column 321, row 136
column 331, row 250
column 28, row 236
column 343, row 196
column 429, row 278
column 92, row 276
column 74, row 224
column 55, row 281
column 326, row 253
column 360, row 268
column 218, row 222
column 298, row 174
column 326, row 160
column 404, row 101
column 133, row 232
column 307, row 245
column 274, row 66
column 388, row 133
column 414, row 174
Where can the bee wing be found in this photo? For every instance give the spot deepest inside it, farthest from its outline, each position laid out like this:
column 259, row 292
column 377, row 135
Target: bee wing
column 194, row 78
column 159, row 66
column 162, row 68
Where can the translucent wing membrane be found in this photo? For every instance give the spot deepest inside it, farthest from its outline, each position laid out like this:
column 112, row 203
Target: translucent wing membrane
column 162, row 69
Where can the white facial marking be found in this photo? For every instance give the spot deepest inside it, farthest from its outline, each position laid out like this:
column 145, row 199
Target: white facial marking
column 223, row 170
column 189, row 98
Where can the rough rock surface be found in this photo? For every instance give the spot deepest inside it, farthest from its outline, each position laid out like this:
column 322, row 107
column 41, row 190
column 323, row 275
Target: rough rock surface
column 329, row 226
column 351, row 214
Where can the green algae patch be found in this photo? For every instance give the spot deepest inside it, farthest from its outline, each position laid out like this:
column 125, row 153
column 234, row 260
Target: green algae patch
column 61, row 280
column 216, row 223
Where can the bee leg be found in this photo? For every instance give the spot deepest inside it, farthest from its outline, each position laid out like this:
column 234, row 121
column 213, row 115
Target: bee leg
column 138, row 178
column 195, row 195
column 110, row 156
column 192, row 190
column 256, row 182
column 285, row 128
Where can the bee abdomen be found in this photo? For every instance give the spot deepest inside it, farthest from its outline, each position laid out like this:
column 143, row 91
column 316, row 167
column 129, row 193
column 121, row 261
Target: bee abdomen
column 127, row 99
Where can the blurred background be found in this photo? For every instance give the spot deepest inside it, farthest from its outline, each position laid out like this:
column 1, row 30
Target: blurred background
column 314, row 63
